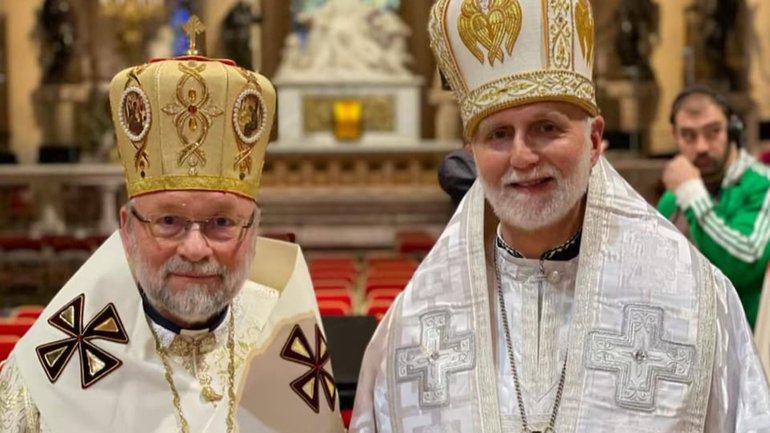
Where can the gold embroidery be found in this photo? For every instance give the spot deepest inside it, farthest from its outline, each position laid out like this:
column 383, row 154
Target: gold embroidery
column 108, row 325
column 246, row 188
column 560, row 33
column 135, row 117
column 584, row 22
column 16, row 414
column 439, row 44
column 488, row 22
column 526, row 88
column 52, row 357
column 68, row 316
column 193, row 113
column 249, row 121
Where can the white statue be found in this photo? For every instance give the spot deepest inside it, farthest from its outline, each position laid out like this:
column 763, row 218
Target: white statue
column 162, row 46
column 348, row 40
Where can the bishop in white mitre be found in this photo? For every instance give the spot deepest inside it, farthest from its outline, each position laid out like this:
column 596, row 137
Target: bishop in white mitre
column 556, row 299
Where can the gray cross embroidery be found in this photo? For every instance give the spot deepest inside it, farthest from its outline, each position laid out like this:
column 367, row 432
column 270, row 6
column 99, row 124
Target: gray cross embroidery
column 640, row 357
column 439, row 354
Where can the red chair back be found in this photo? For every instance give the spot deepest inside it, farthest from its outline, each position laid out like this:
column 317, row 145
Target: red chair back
column 15, row 327
column 27, row 311
column 333, row 308
column 7, row 342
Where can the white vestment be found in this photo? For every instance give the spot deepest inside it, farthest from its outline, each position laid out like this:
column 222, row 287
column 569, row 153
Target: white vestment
column 109, row 377
column 654, row 336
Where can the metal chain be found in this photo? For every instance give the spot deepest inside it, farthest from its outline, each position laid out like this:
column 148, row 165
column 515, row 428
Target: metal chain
column 185, row 427
column 514, row 372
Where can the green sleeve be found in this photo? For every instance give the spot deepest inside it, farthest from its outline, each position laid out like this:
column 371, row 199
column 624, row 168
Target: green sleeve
column 667, row 204
column 734, row 238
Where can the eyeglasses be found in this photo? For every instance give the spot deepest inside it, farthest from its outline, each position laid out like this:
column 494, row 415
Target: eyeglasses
column 218, row 228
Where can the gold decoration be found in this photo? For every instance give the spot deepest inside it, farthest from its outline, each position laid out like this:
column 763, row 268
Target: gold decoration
column 584, row 21
column 135, row 117
column 560, row 33
column 108, row 325
column 488, row 25
column 194, row 347
column 176, row 399
column 193, row 27
column 526, row 88
column 52, row 357
column 249, row 121
column 347, row 119
column 202, row 183
column 193, row 113
column 68, row 316
column 378, row 113
column 441, row 50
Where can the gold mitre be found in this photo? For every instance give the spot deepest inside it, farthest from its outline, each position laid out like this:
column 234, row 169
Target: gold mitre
column 192, row 123
column 498, row 54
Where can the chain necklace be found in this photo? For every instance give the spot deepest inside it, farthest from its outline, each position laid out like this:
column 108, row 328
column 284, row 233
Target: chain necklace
column 517, row 386
column 230, row 420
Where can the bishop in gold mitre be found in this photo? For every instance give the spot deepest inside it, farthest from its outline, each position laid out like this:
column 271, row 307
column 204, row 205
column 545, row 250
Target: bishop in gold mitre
column 184, row 320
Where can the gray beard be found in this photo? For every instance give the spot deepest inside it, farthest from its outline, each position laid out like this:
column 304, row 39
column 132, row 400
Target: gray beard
column 196, row 302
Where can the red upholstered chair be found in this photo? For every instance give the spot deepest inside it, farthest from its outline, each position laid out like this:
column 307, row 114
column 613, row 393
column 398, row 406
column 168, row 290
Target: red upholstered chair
column 334, row 295
column 394, row 283
column 387, row 294
column 337, row 274
column 378, row 308
column 7, row 342
column 333, row 308
column 15, row 327
column 414, row 242
column 332, row 284
column 27, row 311
column 383, row 261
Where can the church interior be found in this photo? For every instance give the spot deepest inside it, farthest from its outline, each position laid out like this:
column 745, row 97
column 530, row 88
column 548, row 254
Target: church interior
column 363, row 125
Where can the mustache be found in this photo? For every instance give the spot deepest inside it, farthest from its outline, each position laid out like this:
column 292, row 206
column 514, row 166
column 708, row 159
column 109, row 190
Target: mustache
column 512, row 176
column 178, row 264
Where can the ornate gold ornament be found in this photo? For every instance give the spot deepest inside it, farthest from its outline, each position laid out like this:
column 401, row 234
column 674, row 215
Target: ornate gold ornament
column 490, row 23
column 135, row 118
column 317, row 380
column 584, row 21
column 95, row 362
column 249, row 121
column 176, row 399
column 193, row 111
column 193, row 27
column 560, row 33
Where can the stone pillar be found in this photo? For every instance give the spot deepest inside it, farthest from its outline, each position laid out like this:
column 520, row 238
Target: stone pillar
column 213, row 15
column 758, row 53
column 23, row 76
column 668, row 63
column 256, row 36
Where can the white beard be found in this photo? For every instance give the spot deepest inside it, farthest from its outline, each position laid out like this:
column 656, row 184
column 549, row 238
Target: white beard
column 524, row 212
column 196, row 302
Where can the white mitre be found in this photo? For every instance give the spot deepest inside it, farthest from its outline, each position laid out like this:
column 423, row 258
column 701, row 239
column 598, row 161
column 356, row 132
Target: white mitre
column 498, row 54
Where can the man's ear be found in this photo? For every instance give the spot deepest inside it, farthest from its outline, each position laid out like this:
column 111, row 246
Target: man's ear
column 123, row 218
column 597, row 131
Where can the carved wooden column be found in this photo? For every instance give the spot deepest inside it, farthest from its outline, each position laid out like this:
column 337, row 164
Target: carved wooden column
column 757, row 28
column 23, row 75
column 668, row 63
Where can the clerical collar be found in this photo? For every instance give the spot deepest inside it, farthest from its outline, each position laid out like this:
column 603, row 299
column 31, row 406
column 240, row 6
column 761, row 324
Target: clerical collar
column 564, row 252
column 156, row 317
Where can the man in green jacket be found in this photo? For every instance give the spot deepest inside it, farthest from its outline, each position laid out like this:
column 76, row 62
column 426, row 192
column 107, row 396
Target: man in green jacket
column 717, row 194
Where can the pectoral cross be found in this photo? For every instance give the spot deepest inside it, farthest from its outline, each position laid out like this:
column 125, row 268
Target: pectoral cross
column 192, row 27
